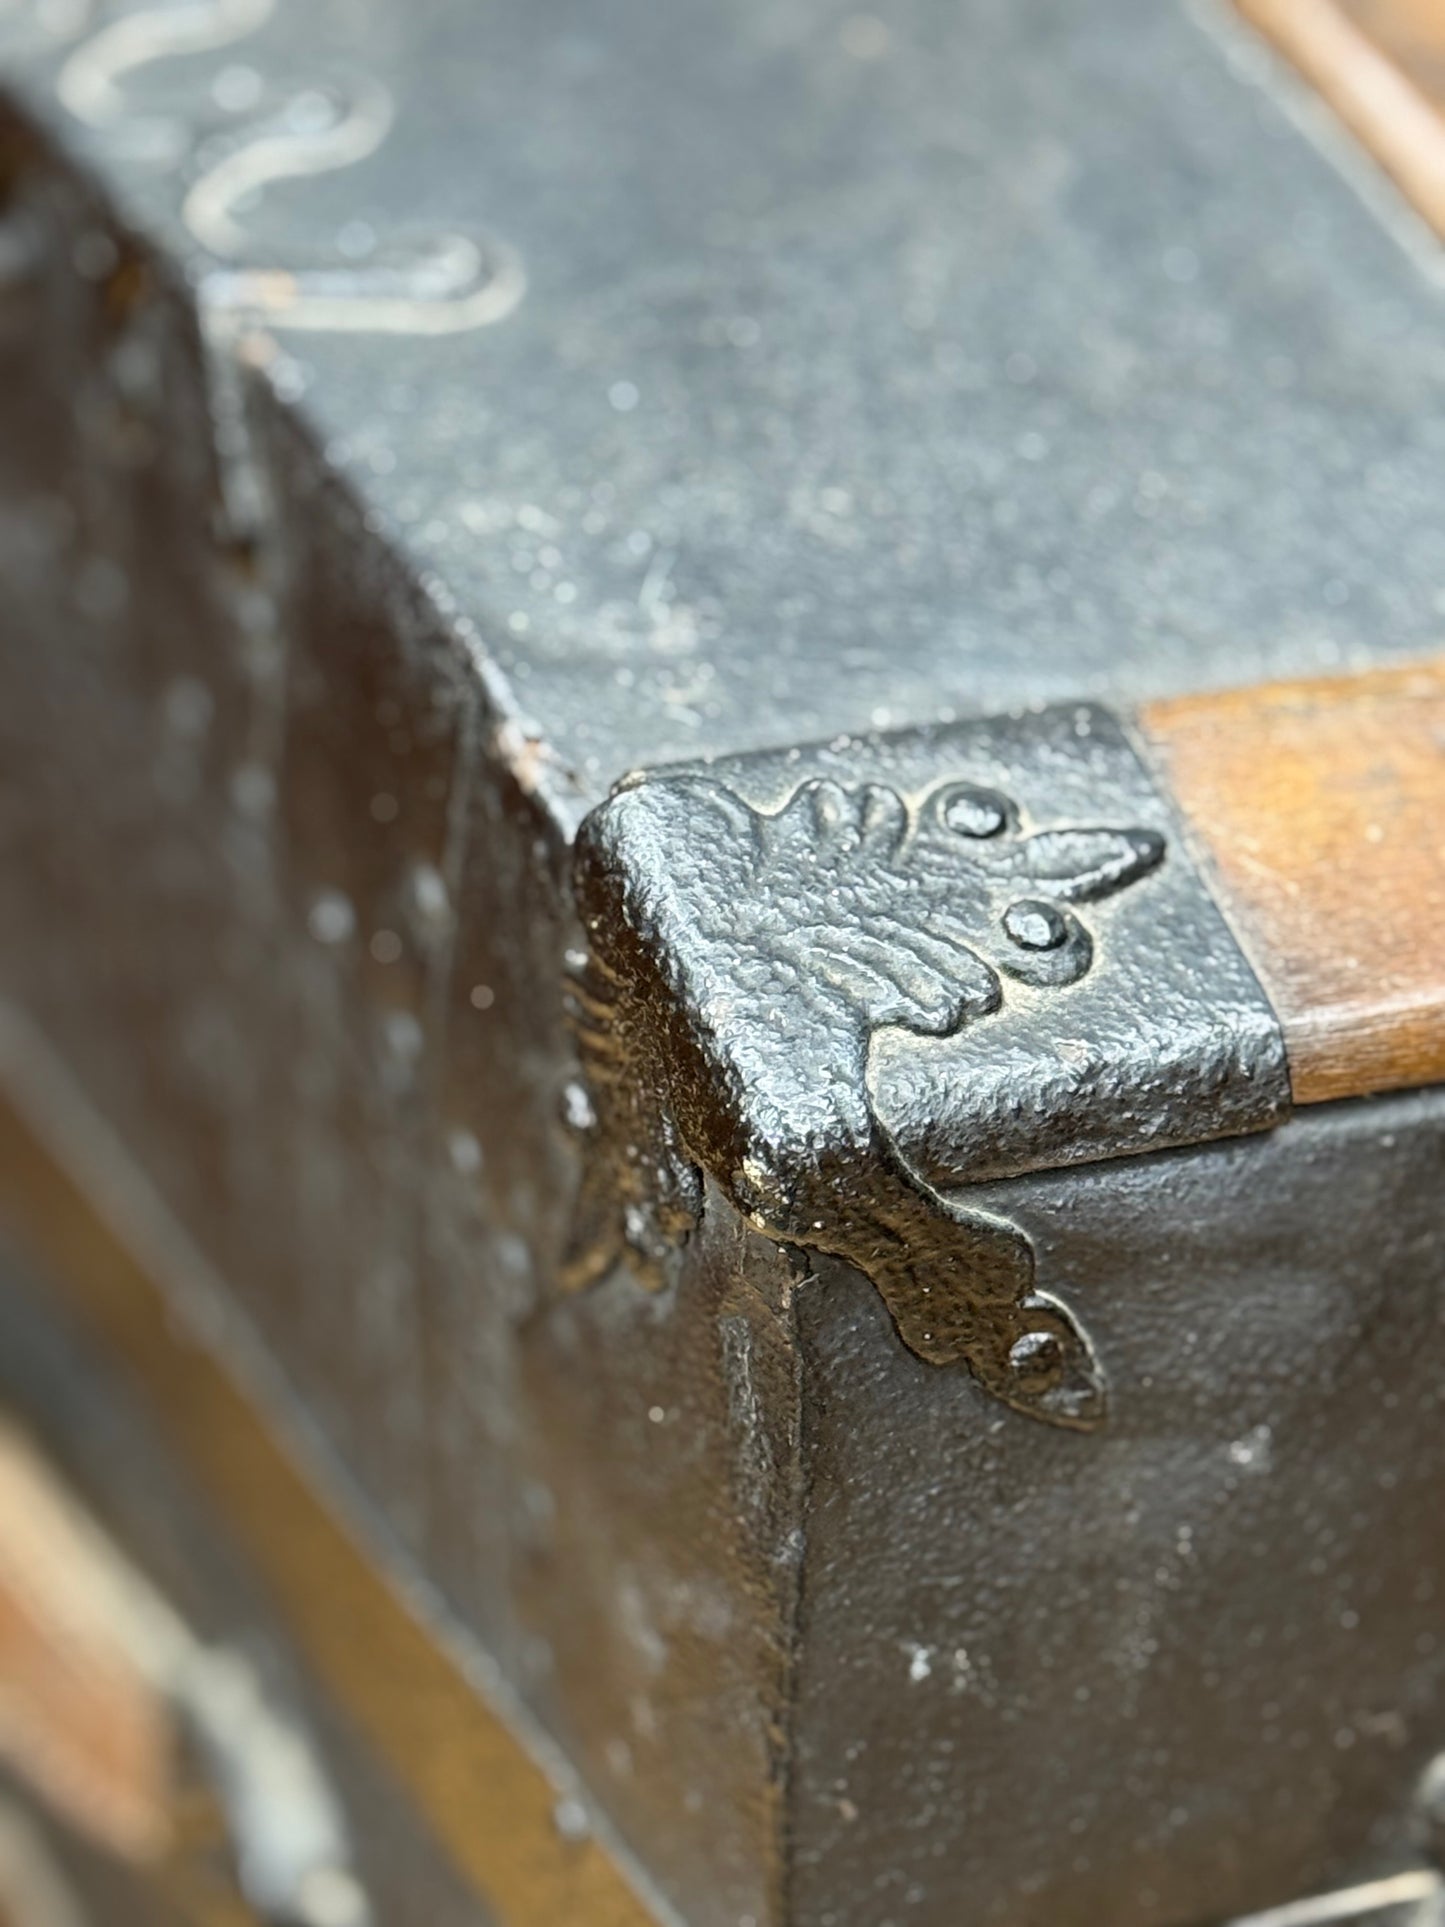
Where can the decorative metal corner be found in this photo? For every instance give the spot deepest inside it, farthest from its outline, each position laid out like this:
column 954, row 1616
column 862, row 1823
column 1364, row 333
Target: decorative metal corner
column 846, row 981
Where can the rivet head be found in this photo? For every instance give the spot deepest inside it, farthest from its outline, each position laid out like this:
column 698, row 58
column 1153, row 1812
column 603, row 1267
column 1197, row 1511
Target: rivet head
column 1036, row 926
column 1037, row 1355
column 975, row 813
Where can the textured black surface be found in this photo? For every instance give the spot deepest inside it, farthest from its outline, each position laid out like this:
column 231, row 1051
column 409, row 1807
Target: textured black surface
column 332, row 1048
column 874, row 364
column 1180, row 1669
column 844, row 978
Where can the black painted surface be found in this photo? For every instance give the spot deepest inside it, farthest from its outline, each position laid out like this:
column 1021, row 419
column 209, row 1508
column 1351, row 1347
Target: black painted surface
column 1178, row 1669
column 874, row 364
column 280, row 905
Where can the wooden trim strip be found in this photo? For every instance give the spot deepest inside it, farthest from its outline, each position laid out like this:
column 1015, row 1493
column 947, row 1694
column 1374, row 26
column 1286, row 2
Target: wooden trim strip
column 1317, row 811
column 1367, row 58
column 489, row 1802
column 80, row 1720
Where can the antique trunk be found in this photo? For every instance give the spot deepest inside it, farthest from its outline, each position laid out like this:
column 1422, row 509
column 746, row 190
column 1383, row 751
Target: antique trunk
column 722, row 1009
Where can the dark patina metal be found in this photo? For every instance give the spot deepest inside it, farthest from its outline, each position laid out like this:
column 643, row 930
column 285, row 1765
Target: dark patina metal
column 848, row 979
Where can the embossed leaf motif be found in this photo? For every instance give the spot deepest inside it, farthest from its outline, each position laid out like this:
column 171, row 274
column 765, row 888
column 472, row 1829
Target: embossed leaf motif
column 903, row 913
column 847, row 911
column 742, row 961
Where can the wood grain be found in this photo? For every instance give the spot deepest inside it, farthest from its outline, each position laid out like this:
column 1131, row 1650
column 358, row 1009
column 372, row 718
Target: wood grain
column 1318, row 812
column 1381, row 66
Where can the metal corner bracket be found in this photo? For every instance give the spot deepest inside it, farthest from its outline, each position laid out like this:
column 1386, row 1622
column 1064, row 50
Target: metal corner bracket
column 847, row 981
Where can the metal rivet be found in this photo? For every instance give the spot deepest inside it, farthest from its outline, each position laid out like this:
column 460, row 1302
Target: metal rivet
column 973, row 813
column 1036, row 926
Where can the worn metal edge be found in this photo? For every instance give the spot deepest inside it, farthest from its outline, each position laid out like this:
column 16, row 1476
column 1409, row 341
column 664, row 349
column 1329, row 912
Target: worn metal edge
column 429, row 1702
column 850, row 980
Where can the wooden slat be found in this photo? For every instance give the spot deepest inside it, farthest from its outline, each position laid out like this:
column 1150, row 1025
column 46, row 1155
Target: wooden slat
column 79, row 1720
column 1411, row 33
column 1318, row 811
column 1381, row 66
